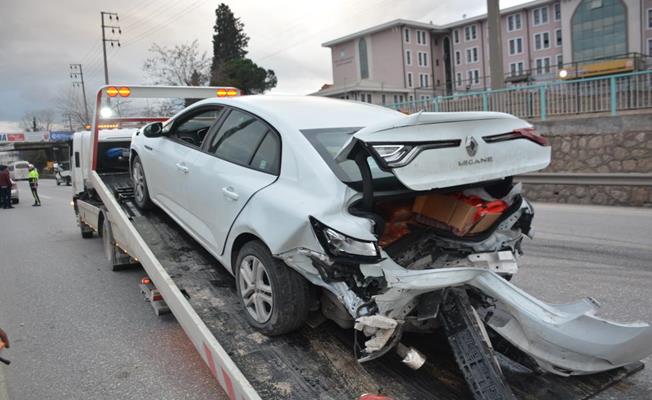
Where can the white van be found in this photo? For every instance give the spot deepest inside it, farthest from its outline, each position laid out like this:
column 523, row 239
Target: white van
column 19, row 170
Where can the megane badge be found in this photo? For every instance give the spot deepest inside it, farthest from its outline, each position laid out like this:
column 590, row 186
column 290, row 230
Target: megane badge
column 471, row 146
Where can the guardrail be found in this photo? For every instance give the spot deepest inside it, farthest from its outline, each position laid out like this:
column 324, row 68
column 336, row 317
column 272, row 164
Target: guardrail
column 612, row 94
column 595, row 179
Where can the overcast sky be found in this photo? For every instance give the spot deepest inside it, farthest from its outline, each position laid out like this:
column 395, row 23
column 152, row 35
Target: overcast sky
column 39, row 39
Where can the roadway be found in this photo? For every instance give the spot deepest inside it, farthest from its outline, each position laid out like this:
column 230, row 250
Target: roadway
column 79, row 330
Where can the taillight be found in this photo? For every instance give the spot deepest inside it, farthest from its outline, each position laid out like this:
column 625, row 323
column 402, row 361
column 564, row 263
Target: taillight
column 521, row 133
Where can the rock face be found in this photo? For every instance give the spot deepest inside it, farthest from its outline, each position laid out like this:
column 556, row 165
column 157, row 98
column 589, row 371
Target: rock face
column 605, row 144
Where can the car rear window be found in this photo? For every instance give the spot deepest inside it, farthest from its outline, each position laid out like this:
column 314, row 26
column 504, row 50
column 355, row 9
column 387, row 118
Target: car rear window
column 22, row 166
column 328, row 143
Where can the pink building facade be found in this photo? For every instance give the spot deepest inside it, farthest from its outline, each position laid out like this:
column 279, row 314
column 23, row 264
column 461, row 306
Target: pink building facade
column 404, row 60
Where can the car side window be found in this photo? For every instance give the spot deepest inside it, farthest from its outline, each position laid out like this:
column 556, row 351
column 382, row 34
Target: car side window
column 238, row 138
column 193, row 130
column 268, row 155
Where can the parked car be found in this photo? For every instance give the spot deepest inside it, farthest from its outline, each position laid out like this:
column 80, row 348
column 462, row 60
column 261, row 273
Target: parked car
column 369, row 215
column 19, row 170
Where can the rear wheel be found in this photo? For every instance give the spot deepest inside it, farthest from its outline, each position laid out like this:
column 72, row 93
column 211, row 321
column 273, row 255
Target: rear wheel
column 275, row 298
column 141, row 192
column 116, row 258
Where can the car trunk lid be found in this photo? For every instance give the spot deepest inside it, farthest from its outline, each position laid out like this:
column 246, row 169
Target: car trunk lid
column 437, row 150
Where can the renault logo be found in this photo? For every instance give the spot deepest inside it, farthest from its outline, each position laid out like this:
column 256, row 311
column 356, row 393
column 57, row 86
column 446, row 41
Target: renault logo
column 471, row 146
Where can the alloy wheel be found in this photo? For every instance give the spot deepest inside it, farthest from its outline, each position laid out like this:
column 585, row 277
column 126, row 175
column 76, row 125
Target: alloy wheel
column 255, row 289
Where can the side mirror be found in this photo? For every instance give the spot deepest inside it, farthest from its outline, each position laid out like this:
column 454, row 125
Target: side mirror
column 154, row 129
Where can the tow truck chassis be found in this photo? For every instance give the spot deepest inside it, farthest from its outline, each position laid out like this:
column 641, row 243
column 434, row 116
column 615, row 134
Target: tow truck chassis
column 318, row 362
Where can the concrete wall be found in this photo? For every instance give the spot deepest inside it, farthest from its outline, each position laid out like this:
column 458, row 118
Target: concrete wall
column 604, row 144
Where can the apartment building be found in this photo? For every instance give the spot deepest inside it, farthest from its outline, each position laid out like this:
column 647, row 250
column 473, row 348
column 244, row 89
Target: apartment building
column 404, row 60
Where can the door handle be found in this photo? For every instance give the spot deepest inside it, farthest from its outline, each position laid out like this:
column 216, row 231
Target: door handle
column 148, row 147
column 182, row 167
column 230, row 193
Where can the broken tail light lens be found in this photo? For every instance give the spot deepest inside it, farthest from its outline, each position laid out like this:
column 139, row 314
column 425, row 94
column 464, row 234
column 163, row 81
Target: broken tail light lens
column 521, row 133
column 340, row 245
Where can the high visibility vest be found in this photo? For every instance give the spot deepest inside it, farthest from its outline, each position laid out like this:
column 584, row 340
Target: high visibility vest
column 33, row 175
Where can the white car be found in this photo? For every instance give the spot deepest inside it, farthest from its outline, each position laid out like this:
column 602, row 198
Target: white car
column 370, row 215
column 15, row 194
column 19, row 170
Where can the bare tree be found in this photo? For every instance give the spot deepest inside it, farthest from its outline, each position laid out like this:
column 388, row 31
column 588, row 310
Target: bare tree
column 39, row 120
column 181, row 65
column 71, row 106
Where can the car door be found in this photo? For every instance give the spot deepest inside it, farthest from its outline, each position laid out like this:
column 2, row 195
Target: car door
column 239, row 158
column 168, row 172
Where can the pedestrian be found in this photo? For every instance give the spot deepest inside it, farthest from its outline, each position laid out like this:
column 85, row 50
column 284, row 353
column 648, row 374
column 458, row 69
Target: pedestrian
column 33, row 185
column 5, row 187
column 4, row 343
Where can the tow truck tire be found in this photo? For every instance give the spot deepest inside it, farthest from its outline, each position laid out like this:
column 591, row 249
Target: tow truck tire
column 141, row 193
column 260, row 277
column 86, row 231
column 117, row 260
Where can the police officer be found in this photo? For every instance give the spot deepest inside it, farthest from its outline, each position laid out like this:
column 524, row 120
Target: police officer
column 33, row 185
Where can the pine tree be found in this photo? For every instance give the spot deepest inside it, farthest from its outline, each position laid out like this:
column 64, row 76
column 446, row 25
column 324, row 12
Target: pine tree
column 229, row 40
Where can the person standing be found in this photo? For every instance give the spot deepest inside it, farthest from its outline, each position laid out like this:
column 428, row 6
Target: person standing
column 33, row 185
column 5, row 187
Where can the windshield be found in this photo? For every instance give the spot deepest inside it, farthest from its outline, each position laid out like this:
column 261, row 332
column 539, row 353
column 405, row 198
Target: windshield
column 328, row 143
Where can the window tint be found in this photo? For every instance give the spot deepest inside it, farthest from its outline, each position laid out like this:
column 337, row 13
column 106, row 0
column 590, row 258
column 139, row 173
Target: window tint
column 267, row 156
column 194, row 130
column 238, row 138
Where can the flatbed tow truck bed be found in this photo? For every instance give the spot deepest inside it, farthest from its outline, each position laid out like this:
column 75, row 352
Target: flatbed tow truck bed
column 313, row 363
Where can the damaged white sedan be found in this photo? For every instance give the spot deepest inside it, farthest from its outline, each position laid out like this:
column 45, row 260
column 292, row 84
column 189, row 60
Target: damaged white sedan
column 372, row 217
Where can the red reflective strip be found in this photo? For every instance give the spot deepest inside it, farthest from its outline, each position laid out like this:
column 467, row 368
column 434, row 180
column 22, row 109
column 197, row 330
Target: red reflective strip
column 209, row 360
column 229, row 385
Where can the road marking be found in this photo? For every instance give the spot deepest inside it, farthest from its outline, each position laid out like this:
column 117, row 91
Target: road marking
column 4, row 395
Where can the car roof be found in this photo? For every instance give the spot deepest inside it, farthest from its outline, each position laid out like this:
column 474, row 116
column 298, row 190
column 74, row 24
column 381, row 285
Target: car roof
column 313, row 112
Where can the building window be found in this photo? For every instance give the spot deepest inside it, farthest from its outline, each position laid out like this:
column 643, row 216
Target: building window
column 649, row 46
column 459, row 79
column 540, row 16
column 470, row 33
column 421, row 37
column 516, row 69
column 424, row 80
column 407, row 35
column 456, row 36
column 542, row 41
column 383, row 99
column 514, row 22
column 598, row 30
column 423, row 59
column 515, row 46
column 408, row 57
column 409, row 79
column 557, row 10
column 649, row 18
column 474, row 77
column 368, row 98
column 543, row 65
column 458, row 58
column 558, row 37
column 560, row 61
column 364, row 65
column 395, row 99
column 472, row 55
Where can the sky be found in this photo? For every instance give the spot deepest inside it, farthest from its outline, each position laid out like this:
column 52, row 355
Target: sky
column 39, row 39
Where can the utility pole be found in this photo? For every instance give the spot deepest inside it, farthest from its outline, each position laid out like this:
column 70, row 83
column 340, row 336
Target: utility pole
column 495, row 45
column 113, row 42
column 76, row 72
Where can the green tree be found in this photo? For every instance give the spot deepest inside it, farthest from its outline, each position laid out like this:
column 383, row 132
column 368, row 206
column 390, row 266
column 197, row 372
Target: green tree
column 247, row 76
column 229, row 40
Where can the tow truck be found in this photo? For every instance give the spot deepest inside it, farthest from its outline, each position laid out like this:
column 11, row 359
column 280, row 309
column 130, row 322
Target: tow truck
column 316, row 362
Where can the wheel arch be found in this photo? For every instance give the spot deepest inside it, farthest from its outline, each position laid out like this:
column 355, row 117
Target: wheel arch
column 242, row 239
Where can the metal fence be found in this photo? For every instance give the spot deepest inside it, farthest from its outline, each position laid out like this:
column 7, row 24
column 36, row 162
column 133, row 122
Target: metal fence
column 612, row 94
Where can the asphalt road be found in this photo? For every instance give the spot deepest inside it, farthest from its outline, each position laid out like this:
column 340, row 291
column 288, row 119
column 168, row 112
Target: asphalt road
column 80, row 331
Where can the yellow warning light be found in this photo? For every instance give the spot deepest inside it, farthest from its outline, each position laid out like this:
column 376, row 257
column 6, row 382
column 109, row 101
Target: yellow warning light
column 124, row 91
column 221, row 92
column 231, row 92
column 112, row 91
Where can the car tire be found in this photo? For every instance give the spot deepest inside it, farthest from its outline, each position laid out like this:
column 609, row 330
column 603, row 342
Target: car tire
column 274, row 297
column 141, row 192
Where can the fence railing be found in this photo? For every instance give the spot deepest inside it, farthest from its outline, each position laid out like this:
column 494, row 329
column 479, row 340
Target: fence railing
column 612, row 94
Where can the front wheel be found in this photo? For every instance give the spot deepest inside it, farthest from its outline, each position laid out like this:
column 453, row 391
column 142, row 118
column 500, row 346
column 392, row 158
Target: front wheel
column 141, row 192
column 276, row 299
